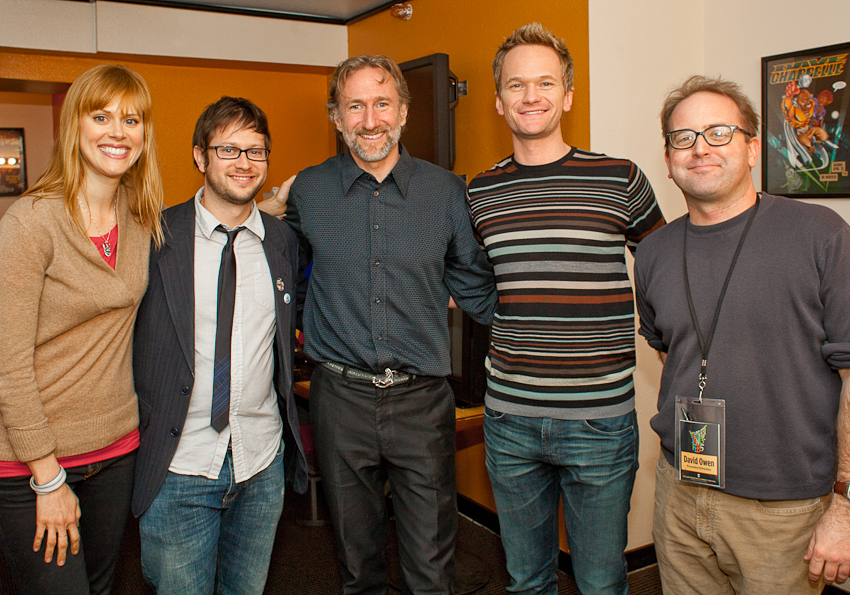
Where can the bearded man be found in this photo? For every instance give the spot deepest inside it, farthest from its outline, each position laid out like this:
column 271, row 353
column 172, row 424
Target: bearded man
column 391, row 242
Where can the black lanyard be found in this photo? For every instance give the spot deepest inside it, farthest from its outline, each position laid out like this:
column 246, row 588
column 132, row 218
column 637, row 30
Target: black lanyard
column 705, row 342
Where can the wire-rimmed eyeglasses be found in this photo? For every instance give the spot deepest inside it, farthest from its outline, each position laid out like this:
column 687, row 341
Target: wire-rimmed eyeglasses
column 716, row 136
column 227, row 152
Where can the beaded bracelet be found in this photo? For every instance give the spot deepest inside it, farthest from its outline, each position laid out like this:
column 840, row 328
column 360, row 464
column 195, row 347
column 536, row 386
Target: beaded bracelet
column 51, row 486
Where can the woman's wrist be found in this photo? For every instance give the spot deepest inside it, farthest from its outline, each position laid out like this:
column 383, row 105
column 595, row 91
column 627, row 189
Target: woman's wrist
column 51, row 486
column 45, row 469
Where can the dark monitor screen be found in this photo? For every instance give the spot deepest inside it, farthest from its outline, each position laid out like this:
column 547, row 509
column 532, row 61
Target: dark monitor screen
column 430, row 130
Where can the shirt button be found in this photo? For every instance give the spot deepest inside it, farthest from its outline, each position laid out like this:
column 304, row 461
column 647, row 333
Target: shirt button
column 175, row 432
column 376, row 193
column 377, row 263
column 184, row 390
column 377, row 300
column 376, row 226
column 380, row 337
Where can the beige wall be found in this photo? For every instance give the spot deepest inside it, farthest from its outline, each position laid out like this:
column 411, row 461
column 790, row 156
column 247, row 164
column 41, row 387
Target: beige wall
column 767, row 27
column 633, row 62
column 118, row 28
column 627, row 46
column 49, row 25
column 33, row 113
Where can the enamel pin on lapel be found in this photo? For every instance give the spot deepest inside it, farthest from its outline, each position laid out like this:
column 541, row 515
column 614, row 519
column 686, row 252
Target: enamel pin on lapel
column 280, row 287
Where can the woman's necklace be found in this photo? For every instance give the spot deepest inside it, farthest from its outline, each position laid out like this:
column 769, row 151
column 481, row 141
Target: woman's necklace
column 107, row 247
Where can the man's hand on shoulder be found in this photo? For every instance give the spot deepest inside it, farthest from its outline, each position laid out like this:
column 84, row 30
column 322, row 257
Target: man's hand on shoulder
column 276, row 205
column 829, row 548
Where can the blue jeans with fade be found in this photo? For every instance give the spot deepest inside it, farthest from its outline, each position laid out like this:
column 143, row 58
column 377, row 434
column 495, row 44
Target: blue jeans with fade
column 592, row 464
column 202, row 536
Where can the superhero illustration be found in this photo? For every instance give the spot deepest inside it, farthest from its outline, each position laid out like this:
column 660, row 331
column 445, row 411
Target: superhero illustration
column 804, row 115
column 804, row 107
column 698, row 439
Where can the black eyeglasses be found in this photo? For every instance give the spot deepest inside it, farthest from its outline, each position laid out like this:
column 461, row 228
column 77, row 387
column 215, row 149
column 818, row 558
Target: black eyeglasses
column 716, row 136
column 225, row 152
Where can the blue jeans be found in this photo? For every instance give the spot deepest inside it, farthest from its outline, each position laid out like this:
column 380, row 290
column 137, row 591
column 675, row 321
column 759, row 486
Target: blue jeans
column 592, row 463
column 204, row 536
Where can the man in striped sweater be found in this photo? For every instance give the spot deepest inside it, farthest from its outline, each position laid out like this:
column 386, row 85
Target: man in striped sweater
column 559, row 415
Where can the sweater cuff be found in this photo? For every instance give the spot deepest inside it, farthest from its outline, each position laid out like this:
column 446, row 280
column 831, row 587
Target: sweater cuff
column 654, row 340
column 837, row 355
column 33, row 443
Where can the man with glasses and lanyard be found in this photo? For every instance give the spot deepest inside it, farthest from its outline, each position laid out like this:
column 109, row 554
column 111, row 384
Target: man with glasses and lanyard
column 213, row 369
column 747, row 299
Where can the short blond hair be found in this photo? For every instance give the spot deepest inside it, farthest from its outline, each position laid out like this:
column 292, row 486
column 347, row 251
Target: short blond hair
column 534, row 34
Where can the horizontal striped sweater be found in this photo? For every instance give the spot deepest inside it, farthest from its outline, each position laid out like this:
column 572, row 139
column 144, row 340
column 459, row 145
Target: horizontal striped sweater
column 562, row 343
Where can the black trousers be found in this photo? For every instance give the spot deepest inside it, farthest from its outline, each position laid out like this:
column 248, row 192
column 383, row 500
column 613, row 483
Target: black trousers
column 104, row 491
column 366, row 435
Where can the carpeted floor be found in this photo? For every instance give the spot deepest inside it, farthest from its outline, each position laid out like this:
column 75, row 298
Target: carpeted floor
column 304, row 561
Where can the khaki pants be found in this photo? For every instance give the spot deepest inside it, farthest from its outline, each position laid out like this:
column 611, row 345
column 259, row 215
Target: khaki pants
column 712, row 543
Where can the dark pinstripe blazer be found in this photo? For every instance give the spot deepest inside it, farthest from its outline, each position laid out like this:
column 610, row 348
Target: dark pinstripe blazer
column 164, row 349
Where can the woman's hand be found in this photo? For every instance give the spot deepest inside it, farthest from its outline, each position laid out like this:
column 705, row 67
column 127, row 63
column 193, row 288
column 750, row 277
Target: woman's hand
column 57, row 513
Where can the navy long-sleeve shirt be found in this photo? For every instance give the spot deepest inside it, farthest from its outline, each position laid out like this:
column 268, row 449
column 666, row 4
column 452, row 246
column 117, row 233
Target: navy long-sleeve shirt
column 386, row 257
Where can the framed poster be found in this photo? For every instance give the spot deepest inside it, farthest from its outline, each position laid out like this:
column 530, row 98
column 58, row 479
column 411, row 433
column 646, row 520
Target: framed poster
column 805, row 144
column 13, row 171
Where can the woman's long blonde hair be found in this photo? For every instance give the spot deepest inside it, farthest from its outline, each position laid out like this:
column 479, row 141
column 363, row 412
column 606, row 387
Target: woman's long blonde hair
column 93, row 90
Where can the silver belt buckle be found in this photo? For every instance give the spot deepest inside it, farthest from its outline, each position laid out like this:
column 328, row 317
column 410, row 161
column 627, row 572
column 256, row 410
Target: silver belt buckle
column 387, row 380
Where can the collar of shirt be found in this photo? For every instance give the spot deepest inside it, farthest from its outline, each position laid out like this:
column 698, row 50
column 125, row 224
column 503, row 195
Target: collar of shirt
column 401, row 173
column 207, row 222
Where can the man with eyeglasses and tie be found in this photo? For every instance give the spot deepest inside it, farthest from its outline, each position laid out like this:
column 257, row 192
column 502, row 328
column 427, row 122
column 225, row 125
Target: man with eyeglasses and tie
column 213, row 369
column 747, row 299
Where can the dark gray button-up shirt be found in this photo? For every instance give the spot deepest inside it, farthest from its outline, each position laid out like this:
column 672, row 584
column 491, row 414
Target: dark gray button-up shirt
column 386, row 257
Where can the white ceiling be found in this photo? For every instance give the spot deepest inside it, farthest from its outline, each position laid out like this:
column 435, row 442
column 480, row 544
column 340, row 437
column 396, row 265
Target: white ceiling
column 325, row 11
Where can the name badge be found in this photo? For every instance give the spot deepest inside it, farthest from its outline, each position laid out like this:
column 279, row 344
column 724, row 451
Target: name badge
column 701, row 441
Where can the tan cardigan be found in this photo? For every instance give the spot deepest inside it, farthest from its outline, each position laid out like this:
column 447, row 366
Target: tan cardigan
column 66, row 328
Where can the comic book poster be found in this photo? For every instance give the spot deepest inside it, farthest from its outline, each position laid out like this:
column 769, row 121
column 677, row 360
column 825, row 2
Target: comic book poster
column 805, row 144
column 13, row 172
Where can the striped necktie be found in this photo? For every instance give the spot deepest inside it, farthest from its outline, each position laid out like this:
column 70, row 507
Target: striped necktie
column 220, row 411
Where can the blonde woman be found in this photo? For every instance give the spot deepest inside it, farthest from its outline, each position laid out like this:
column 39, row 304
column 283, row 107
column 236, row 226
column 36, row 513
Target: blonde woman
column 73, row 270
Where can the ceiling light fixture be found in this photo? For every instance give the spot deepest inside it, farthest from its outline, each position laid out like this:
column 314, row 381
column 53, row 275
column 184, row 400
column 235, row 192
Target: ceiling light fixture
column 402, row 11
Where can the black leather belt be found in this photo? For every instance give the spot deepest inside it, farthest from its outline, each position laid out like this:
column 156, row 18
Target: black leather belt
column 390, row 378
